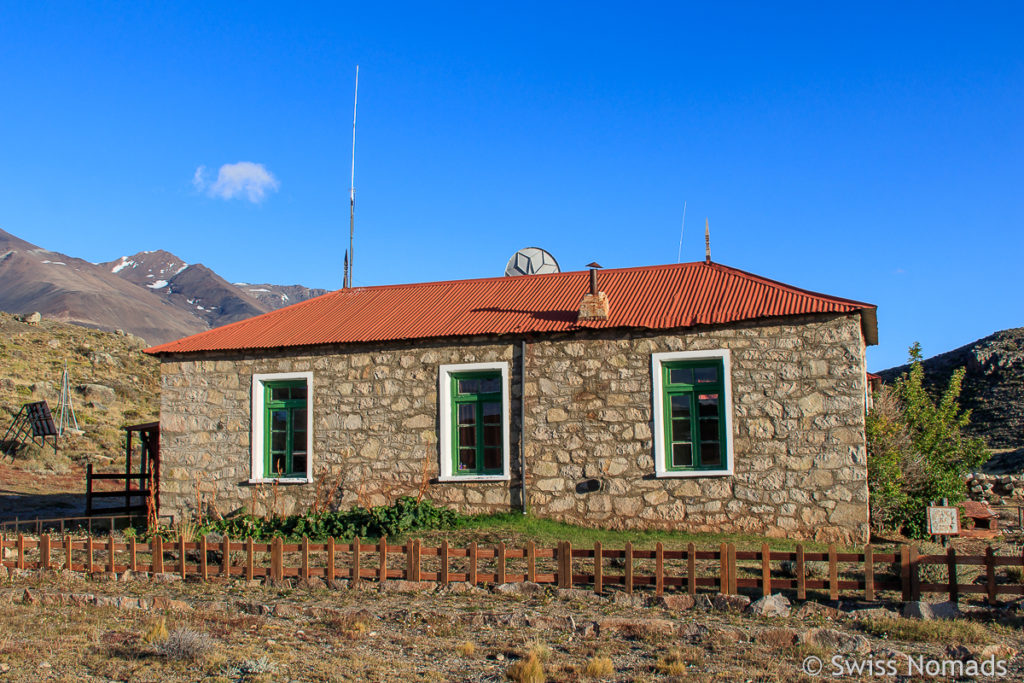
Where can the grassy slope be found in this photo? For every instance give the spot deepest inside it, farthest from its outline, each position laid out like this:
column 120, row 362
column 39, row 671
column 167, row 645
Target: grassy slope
column 31, row 360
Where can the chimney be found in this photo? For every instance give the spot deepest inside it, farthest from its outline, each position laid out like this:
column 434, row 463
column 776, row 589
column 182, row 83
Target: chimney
column 595, row 304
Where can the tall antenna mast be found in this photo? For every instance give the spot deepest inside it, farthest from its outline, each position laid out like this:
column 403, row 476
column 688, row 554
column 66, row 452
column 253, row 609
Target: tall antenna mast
column 707, row 241
column 352, row 189
column 679, row 256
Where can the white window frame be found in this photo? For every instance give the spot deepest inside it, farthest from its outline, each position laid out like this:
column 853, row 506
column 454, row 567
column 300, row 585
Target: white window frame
column 657, row 361
column 444, row 384
column 259, row 380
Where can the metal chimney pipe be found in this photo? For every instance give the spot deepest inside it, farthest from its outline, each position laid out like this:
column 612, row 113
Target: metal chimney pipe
column 593, row 280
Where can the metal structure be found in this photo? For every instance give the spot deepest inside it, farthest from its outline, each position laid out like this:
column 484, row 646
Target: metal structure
column 65, row 409
column 531, row 261
column 34, row 421
column 147, row 478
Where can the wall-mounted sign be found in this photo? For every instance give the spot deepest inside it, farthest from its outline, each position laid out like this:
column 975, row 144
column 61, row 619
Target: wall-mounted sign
column 943, row 520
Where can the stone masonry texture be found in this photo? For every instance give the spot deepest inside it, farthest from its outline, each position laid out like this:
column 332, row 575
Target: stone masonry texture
column 798, row 388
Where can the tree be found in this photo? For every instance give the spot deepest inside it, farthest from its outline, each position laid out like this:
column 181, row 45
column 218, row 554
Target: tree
column 917, row 449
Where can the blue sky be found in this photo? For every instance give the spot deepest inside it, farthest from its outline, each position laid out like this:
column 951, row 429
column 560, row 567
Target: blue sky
column 867, row 151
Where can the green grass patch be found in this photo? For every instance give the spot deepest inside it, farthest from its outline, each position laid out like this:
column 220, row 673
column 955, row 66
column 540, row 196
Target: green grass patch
column 938, row 631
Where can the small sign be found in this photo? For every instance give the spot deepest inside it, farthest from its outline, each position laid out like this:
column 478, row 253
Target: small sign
column 943, row 520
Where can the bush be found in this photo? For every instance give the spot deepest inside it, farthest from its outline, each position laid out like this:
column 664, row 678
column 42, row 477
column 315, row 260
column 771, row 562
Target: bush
column 917, row 451
column 186, row 644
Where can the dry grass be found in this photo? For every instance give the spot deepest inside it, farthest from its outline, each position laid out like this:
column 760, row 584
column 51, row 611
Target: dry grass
column 466, row 649
column 527, row 670
column 156, row 632
column 677, row 661
column 599, row 667
column 917, row 630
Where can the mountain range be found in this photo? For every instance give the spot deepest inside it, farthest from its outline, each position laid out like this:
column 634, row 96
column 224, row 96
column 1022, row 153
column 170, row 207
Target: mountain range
column 153, row 294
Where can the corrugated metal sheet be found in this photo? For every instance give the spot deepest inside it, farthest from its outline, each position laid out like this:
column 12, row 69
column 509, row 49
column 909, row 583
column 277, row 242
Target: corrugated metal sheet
column 653, row 297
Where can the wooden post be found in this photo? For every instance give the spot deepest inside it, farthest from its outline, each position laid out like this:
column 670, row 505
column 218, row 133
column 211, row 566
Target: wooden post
column 409, row 560
column 501, row 563
column 766, row 570
column 568, row 564
column 869, row 573
column 67, row 553
column 598, row 568
column 157, row 562
column 382, row 560
column 355, row 561
column 531, row 562
column 21, row 551
column 443, row 577
column 990, row 574
column 472, row 563
column 277, row 559
column 225, row 557
column 833, row 573
column 732, row 569
column 204, row 571
column 915, row 574
column 330, row 561
column 44, row 551
column 133, row 555
column 905, row 572
column 88, row 547
column 111, row 565
column 181, row 554
column 88, row 492
column 954, row 588
column 691, row 568
column 801, row 578
column 629, row 566
column 416, row 559
column 250, row 559
column 659, row 569
column 305, row 559
column 723, row 569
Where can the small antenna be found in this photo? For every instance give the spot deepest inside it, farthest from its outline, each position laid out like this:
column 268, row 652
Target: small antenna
column 679, row 256
column 707, row 241
column 345, row 278
column 350, row 255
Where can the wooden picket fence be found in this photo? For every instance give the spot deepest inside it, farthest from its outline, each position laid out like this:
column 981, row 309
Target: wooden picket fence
column 723, row 570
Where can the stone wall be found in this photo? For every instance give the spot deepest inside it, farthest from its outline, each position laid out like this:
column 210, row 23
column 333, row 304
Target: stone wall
column 798, row 429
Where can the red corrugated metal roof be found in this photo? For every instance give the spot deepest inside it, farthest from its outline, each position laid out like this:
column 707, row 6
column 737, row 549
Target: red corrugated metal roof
column 653, row 297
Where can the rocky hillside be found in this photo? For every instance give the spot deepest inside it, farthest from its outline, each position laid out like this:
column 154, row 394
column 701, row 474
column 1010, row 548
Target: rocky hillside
column 113, row 383
column 993, row 386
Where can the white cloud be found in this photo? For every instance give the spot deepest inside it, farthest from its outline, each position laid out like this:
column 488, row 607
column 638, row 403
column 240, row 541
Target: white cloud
column 245, row 179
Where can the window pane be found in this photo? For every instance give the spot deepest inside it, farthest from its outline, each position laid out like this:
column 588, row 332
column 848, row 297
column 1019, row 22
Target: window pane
column 277, row 464
column 709, row 430
column 681, row 407
column 278, row 393
column 298, row 464
column 680, row 376
column 710, row 454
column 682, row 456
column 492, row 413
column 492, row 458
column 299, row 418
column 278, row 420
column 681, row 430
column 492, row 435
column 706, row 374
column 299, row 392
column 467, row 459
column 467, row 414
column 278, row 441
column 299, row 441
column 707, row 405
column 469, row 386
column 467, row 436
column 490, row 385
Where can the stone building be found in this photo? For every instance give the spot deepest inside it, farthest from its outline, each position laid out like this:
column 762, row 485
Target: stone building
column 690, row 396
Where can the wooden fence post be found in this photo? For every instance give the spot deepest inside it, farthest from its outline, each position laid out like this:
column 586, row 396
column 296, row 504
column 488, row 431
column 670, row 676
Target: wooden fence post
column 133, row 554
column 21, row 551
column 990, row 574
column 355, row 561
column 416, row 559
column 801, row 578
column 44, row 551
column 225, row 557
column 157, row 559
column 733, row 589
column 905, row 572
column 305, row 559
column 629, row 566
column 598, row 568
column 410, row 559
column 91, row 567
column 277, row 559
column 382, row 560
column 181, row 554
column 204, row 571
column 659, row 569
column 443, row 576
column 869, row 573
column 111, row 565
column 691, row 568
column 500, row 579
column 954, row 588
column 766, row 570
column 723, row 569
column 568, row 564
column 330, row 561
column 250, row 559
column 833, row 573
column 67, row 553
column 531, row 562
column 915, row 574
column 472, row 563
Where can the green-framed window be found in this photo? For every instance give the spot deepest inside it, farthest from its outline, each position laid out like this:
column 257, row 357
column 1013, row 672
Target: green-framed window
column 477, row 439
column 285, row 440
column 694, row 415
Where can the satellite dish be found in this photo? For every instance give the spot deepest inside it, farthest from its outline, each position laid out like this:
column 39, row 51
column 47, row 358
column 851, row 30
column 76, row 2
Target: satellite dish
column 531, row 261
